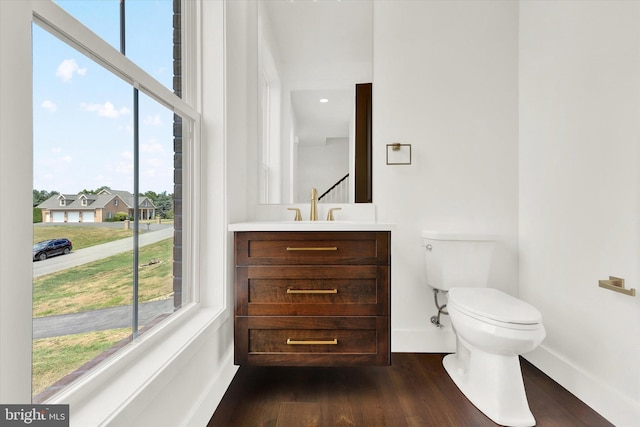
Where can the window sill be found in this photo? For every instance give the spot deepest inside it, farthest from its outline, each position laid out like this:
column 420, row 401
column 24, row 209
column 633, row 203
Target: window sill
column 100, row 395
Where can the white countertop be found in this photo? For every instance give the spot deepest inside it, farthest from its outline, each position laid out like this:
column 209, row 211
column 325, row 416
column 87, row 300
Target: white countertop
column 309, row 226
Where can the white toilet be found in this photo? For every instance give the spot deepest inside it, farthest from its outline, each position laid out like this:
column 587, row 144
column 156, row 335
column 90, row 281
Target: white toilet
column 492, row 328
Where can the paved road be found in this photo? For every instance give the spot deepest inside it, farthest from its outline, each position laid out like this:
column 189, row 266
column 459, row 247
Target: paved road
column 98, row 320
column 108, row 318
column 94, row 253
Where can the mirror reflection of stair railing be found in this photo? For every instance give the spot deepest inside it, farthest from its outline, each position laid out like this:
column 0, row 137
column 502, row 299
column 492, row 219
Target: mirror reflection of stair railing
column 337, row 193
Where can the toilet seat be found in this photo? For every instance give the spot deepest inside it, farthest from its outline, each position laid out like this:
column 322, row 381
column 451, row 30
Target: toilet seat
column 495, row 307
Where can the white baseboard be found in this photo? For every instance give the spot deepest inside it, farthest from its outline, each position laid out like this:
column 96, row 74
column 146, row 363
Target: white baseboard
column 616, row 407
column 211, row 397
column 436, row 340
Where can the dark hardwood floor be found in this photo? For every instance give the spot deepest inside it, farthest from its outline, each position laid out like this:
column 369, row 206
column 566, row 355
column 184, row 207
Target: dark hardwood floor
column 414, row 391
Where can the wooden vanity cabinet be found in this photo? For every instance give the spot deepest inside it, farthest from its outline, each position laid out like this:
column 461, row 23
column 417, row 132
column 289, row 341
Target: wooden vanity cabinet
column 312, row 298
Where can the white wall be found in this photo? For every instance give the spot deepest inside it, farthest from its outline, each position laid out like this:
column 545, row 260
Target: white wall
column 446, row 82
column 524, row 119
column 273, row 151
column 579, row 194
column 16, row 171
column 241, row 85
column 321, row 166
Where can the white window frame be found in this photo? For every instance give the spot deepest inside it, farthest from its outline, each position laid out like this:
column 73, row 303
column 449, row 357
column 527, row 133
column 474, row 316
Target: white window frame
column 101, row 395
column 59, row 23
column 123, row 385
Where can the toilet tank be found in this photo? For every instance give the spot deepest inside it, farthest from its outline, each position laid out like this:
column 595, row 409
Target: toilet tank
column 457, row 259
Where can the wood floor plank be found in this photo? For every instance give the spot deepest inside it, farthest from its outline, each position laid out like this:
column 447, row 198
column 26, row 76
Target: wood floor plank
column 302, row 414
column 414, row 391
column 541, row 389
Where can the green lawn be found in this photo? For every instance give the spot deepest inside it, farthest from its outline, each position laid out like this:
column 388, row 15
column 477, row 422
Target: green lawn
column 53, row 358
column 106, row 283
column 99, row 284
column 81, row 237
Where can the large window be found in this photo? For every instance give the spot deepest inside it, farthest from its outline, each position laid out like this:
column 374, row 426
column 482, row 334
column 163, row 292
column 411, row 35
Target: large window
column 109, row 139
column 141, row 29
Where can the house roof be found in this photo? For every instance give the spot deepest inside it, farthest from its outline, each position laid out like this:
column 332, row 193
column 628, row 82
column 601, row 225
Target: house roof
column 94, row 201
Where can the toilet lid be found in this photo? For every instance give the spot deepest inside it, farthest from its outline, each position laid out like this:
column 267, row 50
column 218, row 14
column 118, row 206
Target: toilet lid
column 494, row 305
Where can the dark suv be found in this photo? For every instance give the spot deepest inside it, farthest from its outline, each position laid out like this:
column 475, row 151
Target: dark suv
column 45, row 249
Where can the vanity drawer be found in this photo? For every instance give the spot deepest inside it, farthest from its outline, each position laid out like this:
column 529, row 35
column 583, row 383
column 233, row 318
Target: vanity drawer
column 312, row 298
column 310, row 247
column 311, row 341
column 286, row 340
column 312, row 290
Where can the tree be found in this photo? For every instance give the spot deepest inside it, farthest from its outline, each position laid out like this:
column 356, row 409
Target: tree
column 37, row 215
column 40, row 196
column 96, row 191
column 120, row 216
column 152, row 195
column 164, row 204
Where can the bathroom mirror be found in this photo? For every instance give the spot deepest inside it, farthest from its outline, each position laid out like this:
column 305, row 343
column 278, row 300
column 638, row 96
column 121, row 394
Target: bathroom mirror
column 314, row 61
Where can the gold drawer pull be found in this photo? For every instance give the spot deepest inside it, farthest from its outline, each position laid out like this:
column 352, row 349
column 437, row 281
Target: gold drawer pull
column 328, row 248
column 296, row 342
column 312, row 291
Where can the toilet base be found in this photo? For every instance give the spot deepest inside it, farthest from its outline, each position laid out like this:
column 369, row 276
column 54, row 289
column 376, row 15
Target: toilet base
column 493, row 383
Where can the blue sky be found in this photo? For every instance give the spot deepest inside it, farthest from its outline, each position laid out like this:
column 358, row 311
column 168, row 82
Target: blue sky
column 83, row 117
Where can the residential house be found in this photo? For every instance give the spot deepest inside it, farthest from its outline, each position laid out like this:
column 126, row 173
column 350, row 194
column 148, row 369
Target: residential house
column 523, row 118
column 99, row 207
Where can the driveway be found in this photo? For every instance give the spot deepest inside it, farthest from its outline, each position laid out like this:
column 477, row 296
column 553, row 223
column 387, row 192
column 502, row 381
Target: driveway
column 98, row 320
column 94, row 253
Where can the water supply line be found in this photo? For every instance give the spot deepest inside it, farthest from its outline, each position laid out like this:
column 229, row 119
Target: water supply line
column 435, row 320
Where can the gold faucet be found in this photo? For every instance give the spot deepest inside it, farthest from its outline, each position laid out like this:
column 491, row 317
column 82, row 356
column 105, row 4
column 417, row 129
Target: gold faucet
column 330, row 214
column 298, row 216
column 313, row 215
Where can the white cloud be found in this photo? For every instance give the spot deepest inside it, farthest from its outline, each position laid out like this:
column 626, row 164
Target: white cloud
column 67, row 68
column 154, row 163
column 49, row 105
column 127, row 155
column 119, row 169
column 105, row 110
column 126, row 128
column 149, row 173
column 153, row 120
column 125, row 168
column 56, row 150
column 57, row 164
column 152, row 147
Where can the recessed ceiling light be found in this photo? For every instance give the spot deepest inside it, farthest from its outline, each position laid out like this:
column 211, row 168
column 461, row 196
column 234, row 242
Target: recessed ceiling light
column 324, row 100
